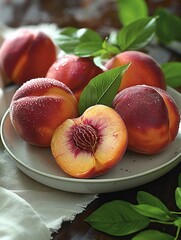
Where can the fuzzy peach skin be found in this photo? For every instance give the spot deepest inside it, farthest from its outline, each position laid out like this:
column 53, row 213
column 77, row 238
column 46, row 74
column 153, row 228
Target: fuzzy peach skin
column 151, row 117
column 26, row 55
column 38, row 107
column 91, row 144
column 74, row 71
column 143, row 69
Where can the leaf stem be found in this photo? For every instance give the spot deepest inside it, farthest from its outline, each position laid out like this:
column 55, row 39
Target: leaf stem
column 178, row 213
column 161, row 222
column 177, row 234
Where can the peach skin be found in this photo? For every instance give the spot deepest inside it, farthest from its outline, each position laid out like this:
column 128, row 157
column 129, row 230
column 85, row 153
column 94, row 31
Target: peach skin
column 143, row 69
column 26, row 55
column 91, row 144
column 74, row 71
column 38, row 107
column 151, row 117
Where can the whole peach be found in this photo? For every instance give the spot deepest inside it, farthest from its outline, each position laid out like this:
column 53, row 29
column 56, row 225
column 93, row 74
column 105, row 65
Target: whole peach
column 74, row 71
column 151, row 117
column 91, row 144
column 38, row 107
column 143, row 69
column 26, row 55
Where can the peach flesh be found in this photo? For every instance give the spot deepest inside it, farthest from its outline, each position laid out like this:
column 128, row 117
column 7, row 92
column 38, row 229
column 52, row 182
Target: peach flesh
column 143, row 69
column 38, row 107
column 90, row 145
column 151, row 116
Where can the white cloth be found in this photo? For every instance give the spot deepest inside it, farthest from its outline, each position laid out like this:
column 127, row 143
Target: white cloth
column 18, row 220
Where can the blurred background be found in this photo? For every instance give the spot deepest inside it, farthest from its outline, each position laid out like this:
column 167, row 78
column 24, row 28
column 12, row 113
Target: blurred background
column 100, row 15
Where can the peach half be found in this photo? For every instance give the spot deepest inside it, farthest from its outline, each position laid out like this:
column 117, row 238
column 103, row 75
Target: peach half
column 26, row 55
column 151, row 117
column 91, row 144
column 38, row 107
column 74, row 71
column 143, row 69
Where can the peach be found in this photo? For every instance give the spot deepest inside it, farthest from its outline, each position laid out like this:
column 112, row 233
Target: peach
column 151, row 117
column 143, row 69
column 38, row 107
column 74, row 71
column 91, row 144
column 26, row 55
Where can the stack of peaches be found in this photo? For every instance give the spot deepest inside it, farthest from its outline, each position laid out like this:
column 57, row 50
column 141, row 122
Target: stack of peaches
column 44, row 109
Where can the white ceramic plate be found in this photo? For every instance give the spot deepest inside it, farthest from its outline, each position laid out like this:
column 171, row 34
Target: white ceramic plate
column 133, row 170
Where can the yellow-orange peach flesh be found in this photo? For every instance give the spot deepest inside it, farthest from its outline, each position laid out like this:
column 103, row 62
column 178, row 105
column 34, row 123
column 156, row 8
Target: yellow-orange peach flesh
column 38, row 107
column 143, row 69
column 151, row 117
column 74, row 71
column 90, row 145
column 26, row 55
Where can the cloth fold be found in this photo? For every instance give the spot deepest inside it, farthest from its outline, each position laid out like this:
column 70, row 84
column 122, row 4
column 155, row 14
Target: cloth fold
column 53, row 206
column 18, row 220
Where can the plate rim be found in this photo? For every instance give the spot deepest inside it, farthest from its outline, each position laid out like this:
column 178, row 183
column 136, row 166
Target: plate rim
column 88, row 180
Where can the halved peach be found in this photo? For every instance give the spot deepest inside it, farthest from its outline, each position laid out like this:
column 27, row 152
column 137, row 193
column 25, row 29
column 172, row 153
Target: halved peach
column 91, row 144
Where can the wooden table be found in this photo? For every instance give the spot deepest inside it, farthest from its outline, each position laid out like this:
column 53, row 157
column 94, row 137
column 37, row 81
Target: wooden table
column 64, row 13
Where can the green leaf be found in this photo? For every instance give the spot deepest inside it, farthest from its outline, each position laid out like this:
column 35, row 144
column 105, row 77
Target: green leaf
column 91, row 49
column 88, row 35
column 67, row 39
column 153, row 235
column 131, row 10
column 102, row 88
column 172, row 72
column 71, row 38
column 117, row 218
column 87, row 49
column 113, row 50
column 152, row 212
column 98, row 62
column 178, row 197
column 112, row 38
column 137, row 34
column 67, row 44
column 68, row 31
column 147, row 198
column 177, row 222
column 179, row 180
column 168, row 27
